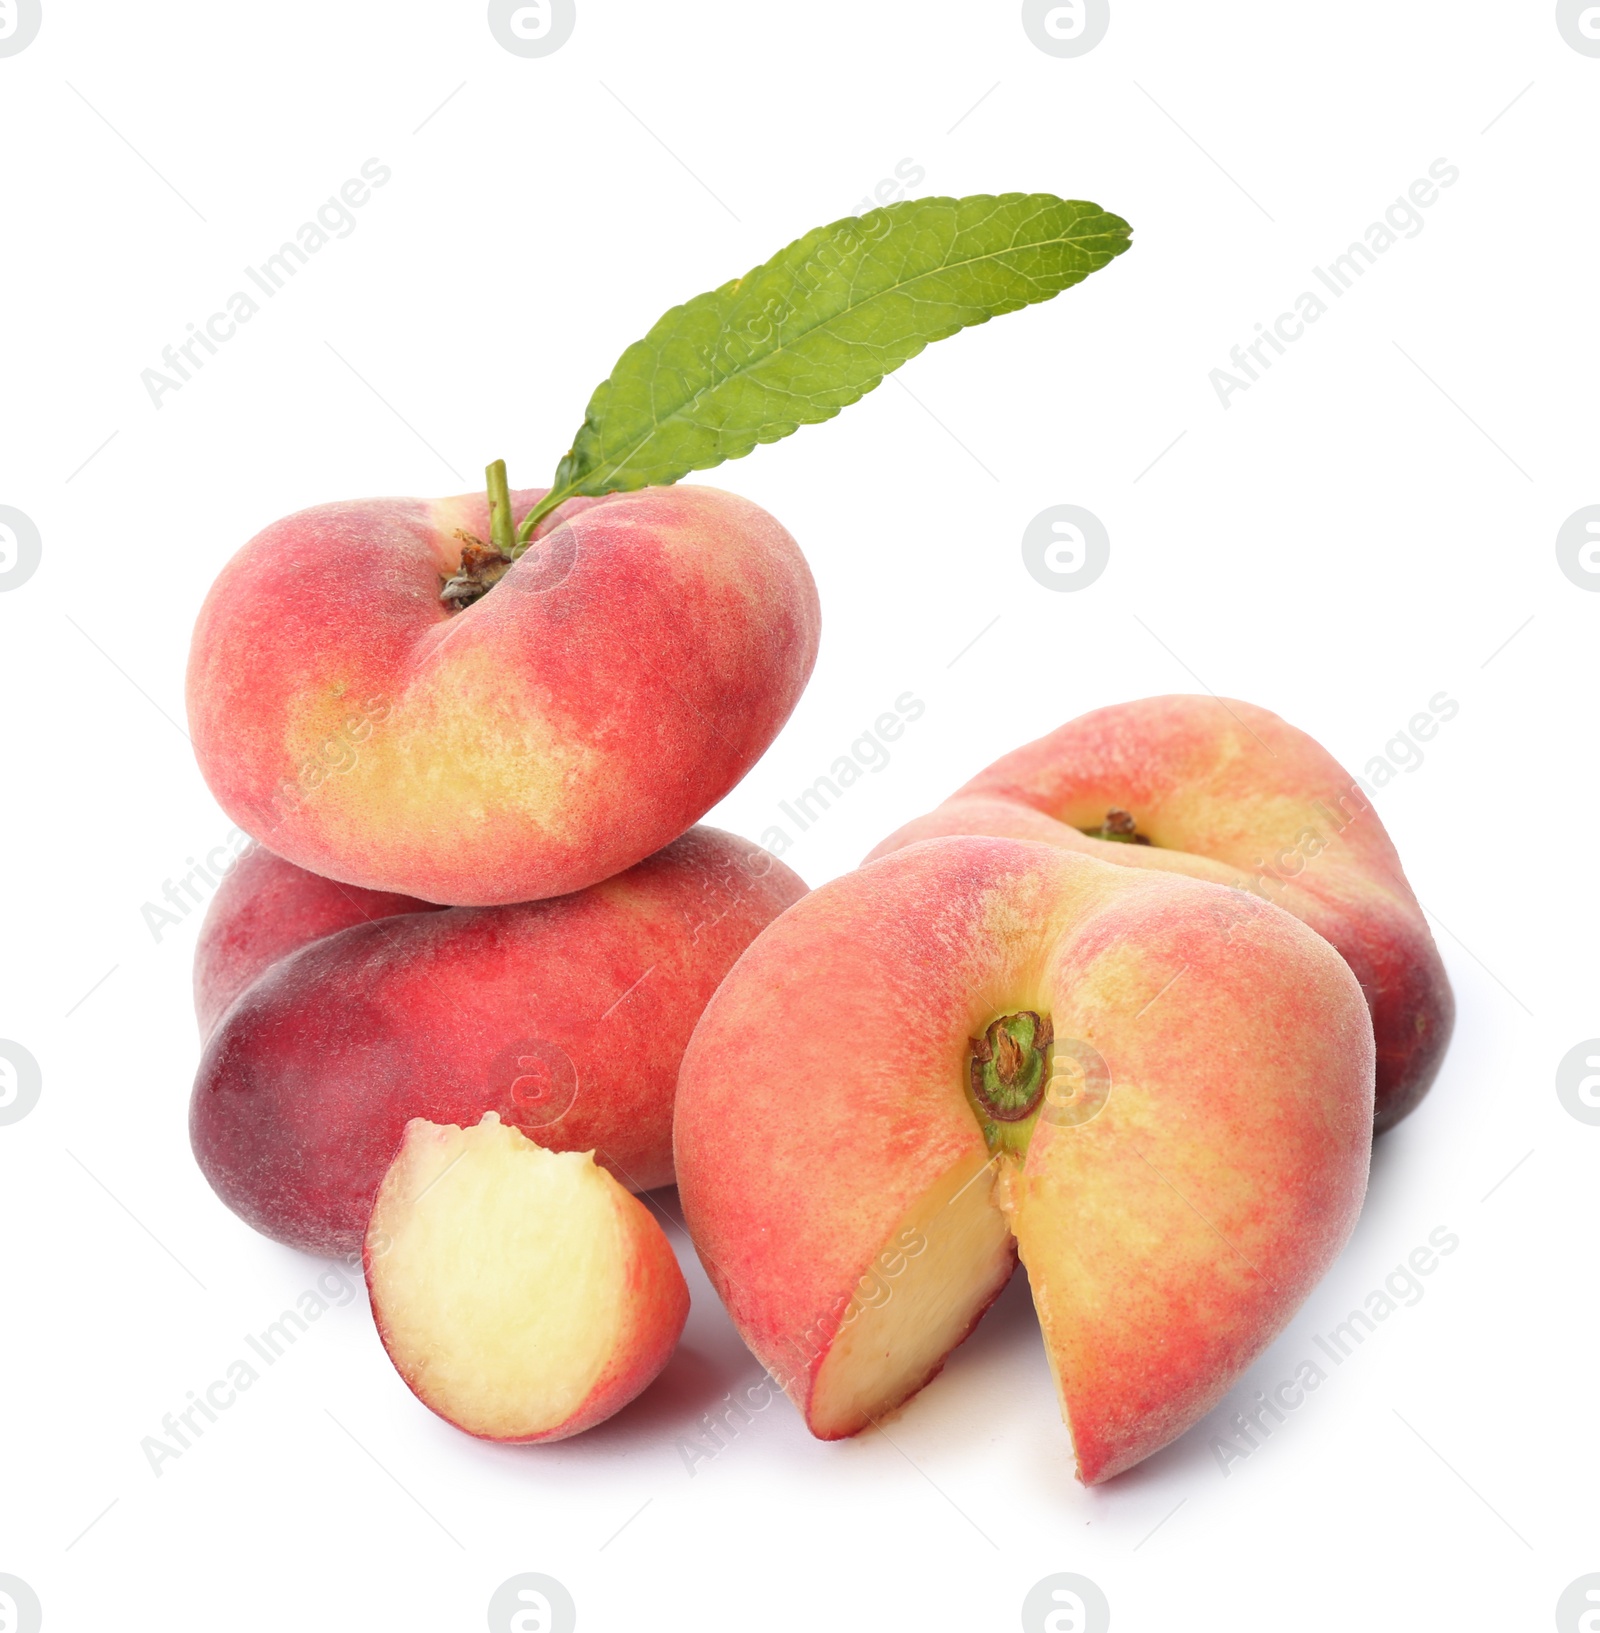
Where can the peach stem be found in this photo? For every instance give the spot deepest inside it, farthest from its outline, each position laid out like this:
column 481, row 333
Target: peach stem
column 502, row 534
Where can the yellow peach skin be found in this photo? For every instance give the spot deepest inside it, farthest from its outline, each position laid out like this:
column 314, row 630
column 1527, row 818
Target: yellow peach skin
column 1176, row 1141
column 1225, row 791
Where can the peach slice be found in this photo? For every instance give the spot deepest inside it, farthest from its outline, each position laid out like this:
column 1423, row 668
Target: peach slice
column 1156, row 1090
column 522, row 1294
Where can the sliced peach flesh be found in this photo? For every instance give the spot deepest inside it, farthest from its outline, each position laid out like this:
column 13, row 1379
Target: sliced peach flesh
column 945, row 1264
column 521, row 1293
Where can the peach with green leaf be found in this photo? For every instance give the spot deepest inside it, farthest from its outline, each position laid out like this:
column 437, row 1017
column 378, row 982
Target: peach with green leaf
column 485, row 700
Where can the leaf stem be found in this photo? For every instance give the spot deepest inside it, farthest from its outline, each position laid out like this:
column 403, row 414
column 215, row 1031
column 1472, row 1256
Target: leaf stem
column 556, row 496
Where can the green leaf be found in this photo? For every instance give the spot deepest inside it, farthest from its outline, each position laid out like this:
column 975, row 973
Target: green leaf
column 818, row 326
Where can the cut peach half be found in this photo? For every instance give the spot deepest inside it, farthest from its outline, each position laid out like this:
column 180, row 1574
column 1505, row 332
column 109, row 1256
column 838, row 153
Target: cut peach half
column 1156, row 1091
column 522, row 1294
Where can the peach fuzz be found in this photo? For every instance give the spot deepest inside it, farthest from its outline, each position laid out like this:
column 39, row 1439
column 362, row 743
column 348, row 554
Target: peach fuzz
column 1226, row 791
column 611, row 687
column 567, row 1017
column 1194, row 1164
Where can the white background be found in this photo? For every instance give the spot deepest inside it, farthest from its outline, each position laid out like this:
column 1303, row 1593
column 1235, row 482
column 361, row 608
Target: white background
column 1369, row 525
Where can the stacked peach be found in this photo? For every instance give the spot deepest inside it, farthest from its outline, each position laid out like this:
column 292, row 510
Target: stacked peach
column 377, row 694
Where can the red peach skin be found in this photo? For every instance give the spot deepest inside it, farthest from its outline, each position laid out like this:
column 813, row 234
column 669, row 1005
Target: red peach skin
column 567, row 1017
column 266, row 909
column 1168, row 1238
column 620, row 678
column 1229, row 792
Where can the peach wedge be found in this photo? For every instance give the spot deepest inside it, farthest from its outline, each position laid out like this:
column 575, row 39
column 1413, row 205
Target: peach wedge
column 522, row 1294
